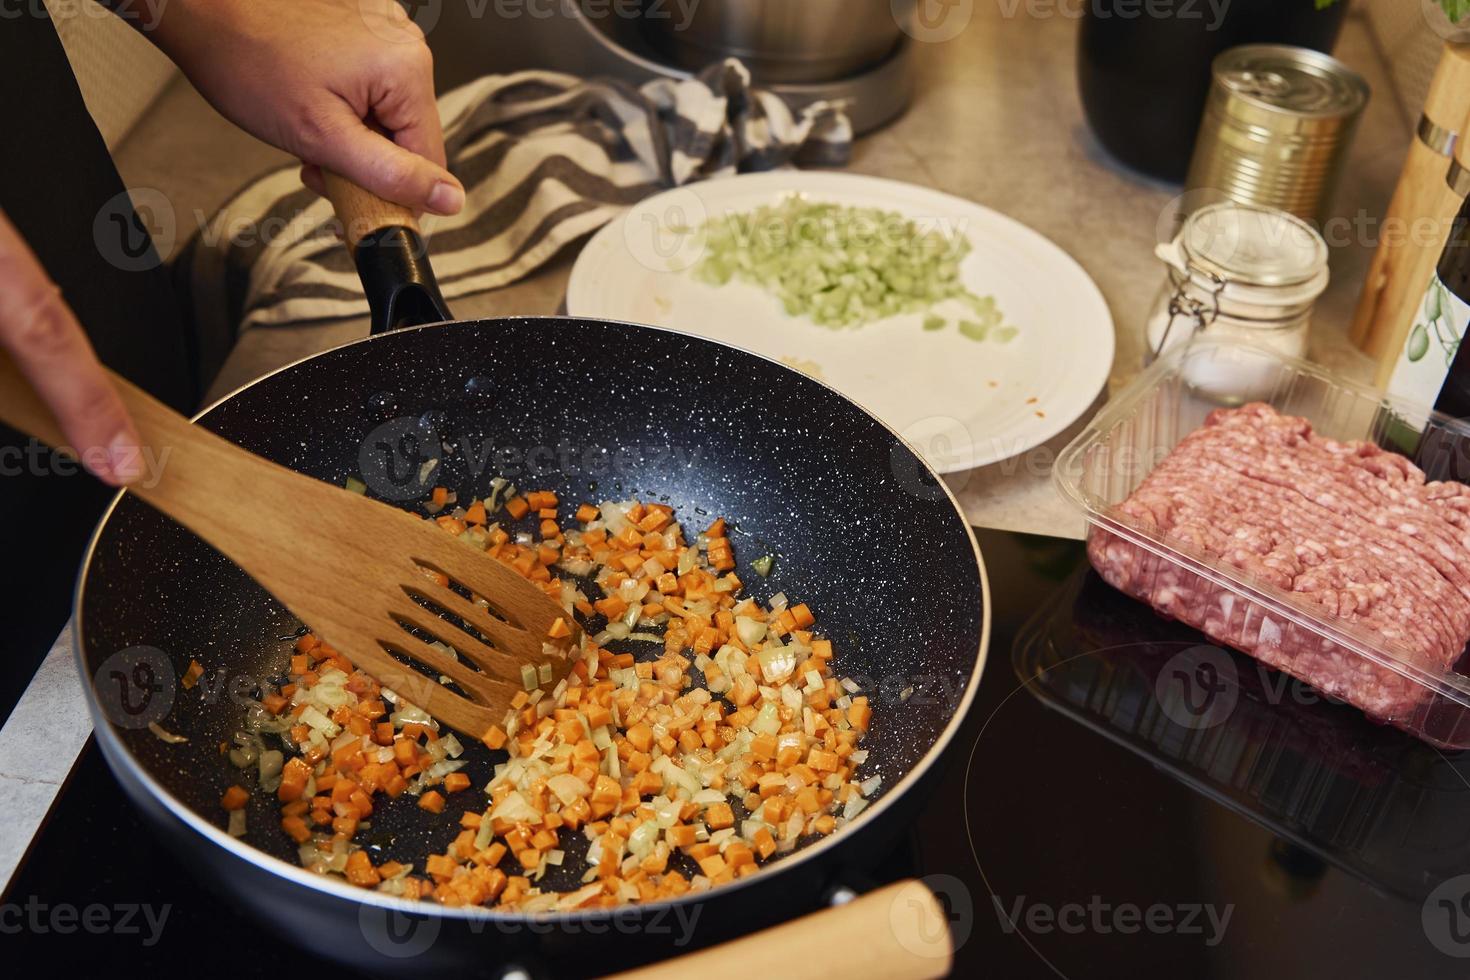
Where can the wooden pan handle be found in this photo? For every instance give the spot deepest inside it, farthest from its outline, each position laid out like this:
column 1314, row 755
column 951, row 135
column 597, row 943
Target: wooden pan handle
column 363, row 212
column 899, row 933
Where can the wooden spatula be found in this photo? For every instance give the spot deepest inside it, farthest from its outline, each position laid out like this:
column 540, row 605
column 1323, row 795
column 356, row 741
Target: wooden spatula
column 349, row 567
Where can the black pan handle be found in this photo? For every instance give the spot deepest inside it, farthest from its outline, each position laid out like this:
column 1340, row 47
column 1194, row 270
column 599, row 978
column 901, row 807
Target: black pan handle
column 391, row 256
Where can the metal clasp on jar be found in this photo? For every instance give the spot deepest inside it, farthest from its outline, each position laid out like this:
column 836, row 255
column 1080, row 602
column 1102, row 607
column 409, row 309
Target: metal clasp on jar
column 1181, row 304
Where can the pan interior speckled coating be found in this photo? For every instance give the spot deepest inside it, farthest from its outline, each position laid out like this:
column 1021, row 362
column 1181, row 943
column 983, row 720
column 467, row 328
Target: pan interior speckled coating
column 860, row 529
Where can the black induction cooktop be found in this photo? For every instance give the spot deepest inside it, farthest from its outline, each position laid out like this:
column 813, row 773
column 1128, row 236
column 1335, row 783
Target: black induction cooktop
column 1124, row 800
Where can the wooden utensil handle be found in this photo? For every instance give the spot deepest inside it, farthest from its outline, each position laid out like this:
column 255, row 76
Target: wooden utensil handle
column 900, row 931
column 159, row 426
column 189, row 471
column 363, row 212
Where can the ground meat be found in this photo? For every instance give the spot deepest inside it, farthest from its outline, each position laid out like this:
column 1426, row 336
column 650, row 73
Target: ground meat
column 1348, row 530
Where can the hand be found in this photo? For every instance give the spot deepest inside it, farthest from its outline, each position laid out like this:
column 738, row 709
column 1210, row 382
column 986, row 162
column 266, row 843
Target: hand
column 41, row 333
column 309, row 75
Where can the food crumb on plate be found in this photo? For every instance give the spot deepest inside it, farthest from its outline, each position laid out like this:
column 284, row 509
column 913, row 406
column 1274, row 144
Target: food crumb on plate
column 810, row 368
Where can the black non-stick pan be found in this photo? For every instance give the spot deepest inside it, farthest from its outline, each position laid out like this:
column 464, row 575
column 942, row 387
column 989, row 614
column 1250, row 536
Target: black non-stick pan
column 859, row 526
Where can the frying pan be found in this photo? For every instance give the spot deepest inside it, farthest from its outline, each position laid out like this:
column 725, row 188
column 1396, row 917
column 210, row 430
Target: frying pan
column 859, row 526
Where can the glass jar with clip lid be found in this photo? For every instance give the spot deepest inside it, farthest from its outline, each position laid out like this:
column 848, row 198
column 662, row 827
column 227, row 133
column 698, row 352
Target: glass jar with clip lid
column 1240, row 272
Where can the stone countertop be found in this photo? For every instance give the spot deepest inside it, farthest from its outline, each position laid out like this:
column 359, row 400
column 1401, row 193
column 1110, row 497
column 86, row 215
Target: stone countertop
column 996, row 119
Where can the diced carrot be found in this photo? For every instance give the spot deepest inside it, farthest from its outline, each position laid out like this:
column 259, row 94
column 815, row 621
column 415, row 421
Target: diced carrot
column 235, row 798
column 296, row 829
column 192, row 673
column 294, row 775
column 432, row 801
column 587, row 513
column 475, row 514
column 440, row 496
column 494, row 738
column 517, row 507
column 717, row 529
column 802, row 615
column 559, row 629
column 456, row 781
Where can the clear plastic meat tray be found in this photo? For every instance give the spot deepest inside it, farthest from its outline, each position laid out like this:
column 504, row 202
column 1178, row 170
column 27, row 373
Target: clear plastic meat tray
column 1138, row 429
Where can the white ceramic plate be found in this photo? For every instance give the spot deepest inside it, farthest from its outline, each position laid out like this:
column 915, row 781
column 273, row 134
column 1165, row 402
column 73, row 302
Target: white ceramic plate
column 960, row 402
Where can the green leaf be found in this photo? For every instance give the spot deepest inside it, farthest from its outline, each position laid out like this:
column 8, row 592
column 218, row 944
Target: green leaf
column 1418, row 344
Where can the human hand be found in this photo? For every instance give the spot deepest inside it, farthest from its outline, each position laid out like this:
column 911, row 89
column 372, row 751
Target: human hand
column 48, row 345
column 309, row 76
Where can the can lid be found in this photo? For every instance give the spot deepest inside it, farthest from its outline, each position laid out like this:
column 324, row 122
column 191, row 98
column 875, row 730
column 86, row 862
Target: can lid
column 1251, row 254
column 1297, row 81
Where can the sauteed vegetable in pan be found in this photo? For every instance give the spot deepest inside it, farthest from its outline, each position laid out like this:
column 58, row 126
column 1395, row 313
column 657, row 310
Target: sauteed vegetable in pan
column 725, row 743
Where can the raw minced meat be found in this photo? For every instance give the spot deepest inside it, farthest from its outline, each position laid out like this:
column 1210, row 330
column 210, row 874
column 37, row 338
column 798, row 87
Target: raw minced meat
column 1346, row 527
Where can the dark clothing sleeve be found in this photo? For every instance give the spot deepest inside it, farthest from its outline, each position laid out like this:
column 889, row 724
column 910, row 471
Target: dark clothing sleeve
column 59, row 187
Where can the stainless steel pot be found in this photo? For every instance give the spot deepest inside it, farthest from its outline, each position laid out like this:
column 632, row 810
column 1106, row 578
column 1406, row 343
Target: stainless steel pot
column 788, row 40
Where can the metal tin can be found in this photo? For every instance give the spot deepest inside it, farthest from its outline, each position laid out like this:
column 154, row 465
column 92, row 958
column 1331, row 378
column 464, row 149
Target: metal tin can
column 1276, row 129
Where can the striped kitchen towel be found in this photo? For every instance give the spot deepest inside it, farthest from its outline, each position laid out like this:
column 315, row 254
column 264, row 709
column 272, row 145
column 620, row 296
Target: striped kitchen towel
column 545, row 159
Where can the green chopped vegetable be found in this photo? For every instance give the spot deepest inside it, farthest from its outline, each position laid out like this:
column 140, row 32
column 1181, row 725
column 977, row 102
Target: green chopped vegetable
column 354, row 485
column 973, row 330
column 841, row 266
column 1006, row 334
column 763, row 565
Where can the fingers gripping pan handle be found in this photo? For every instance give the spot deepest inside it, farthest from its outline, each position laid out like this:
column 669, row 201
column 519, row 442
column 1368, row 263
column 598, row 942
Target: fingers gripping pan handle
column 391, row 256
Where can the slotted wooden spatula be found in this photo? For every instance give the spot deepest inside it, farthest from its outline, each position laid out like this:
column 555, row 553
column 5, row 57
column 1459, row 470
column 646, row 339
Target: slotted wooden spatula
column 349, row 567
